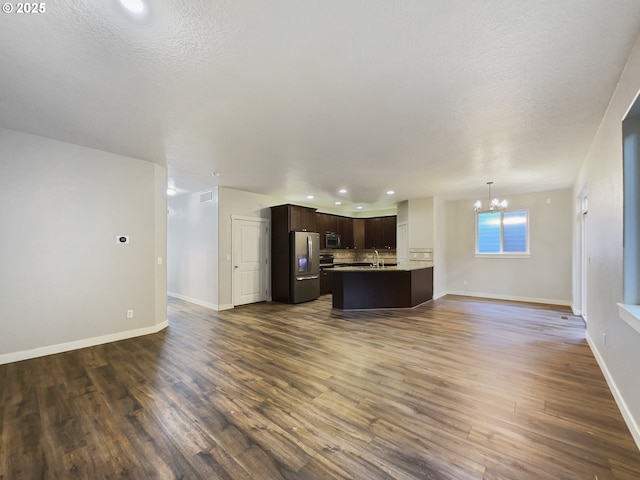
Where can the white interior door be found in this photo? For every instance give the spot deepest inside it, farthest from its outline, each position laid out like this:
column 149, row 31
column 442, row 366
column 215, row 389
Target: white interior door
column 401, row 243
column 250, row 243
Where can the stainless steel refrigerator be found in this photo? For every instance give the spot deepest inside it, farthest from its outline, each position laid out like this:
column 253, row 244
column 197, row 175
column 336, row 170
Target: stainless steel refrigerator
column 305, row 266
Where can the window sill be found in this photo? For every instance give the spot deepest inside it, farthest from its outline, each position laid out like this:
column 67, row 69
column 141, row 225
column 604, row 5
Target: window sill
column 503, row 255
column 630, row 314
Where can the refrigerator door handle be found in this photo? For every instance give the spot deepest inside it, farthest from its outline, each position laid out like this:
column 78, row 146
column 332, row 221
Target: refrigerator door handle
column 310, row 277
column 310, row 251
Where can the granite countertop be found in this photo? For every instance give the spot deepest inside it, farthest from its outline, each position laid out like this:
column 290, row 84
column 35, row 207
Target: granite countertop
column 404, row 267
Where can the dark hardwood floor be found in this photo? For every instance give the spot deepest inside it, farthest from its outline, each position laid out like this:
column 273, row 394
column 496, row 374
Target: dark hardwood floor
column 458, row 388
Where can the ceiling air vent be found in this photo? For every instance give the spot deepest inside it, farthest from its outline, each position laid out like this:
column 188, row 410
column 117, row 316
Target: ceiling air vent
column 206, row 197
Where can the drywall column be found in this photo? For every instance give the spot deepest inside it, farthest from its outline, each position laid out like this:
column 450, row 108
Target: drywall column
column 160, row 234
column 420, row 221
column 439, row 247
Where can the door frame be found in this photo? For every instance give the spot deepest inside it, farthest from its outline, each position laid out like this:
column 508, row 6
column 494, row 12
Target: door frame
column 266, row 224
column 584, row 257
column 405, row 247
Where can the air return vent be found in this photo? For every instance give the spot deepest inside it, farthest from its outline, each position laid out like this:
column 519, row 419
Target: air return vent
column 206, row 197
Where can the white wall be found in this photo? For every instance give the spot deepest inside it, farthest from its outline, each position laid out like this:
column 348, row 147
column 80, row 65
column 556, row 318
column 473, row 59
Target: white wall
column 440, row 241
column 192, row 249
column 420, row 221
column 199, row 243
column 545, row 276
column 160, row 242
column 64, row 281
column 427, row 228
column 601, row 175
column 402, row 212
column 235, row 203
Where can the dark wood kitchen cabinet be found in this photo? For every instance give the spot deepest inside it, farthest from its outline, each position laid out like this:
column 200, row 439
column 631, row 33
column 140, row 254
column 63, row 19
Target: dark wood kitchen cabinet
column 326, row 223
column 345, row 228
column 358, row 232
column 369, row 288
column 373, row 232
column 302, row 219
column 389, row 227
column 380, row 232
column 325, row 280
column 285, row 219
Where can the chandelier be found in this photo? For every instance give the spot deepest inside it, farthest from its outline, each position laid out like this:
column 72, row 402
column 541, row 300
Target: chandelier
column 495, row 205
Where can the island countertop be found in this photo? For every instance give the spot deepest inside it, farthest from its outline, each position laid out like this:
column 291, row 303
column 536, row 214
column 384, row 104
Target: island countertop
column 404, row 267
column 400, row 286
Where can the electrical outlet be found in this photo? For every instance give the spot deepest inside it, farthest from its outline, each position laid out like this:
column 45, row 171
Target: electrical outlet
column 604, row 338
column 465, row 282
column 129, row 313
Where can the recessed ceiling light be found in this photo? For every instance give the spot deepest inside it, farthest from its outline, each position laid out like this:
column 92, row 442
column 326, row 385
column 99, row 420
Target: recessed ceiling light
column 342, row 190
column 338, row 203
column 171, row 191
column 215, row 174
column 310, row 197
column 137, row 8
column 359, row 207
column 390, row 192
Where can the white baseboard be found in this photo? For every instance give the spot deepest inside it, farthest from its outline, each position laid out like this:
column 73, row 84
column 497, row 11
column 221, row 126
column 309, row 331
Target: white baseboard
column 202, row 303
column 576, row 311
column 77, row 344
column 622, row 405
column 439, row 295
column 548, row 301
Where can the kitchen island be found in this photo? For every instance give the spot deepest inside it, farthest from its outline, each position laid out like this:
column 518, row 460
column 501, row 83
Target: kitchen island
column 400, row 286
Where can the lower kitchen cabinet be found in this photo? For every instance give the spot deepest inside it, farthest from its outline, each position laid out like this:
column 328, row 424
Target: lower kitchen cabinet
column 325, row 280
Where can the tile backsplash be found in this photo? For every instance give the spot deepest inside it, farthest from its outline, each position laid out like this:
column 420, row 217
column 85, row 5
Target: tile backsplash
column 360, row 255
column 422, row 255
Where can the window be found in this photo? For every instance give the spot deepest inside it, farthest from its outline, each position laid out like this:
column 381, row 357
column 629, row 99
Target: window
column 631, row 212
column 502, row 233
column 630, row 310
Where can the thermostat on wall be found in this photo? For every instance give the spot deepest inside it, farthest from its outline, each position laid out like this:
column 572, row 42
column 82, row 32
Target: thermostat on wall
column 122, row 238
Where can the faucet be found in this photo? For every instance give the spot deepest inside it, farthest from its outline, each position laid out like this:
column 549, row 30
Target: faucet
column 376, row 257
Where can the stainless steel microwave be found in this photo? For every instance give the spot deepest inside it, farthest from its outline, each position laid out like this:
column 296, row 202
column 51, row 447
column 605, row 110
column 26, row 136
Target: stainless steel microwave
column 332, row 240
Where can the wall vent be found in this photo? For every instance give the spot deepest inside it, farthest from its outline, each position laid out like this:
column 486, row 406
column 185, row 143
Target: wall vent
column 206, row 197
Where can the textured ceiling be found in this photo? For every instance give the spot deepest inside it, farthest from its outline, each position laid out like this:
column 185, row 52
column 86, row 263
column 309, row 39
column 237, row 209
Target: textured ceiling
column 289, row 98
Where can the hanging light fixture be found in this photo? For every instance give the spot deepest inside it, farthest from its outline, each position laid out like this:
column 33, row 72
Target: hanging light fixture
column 495, row 205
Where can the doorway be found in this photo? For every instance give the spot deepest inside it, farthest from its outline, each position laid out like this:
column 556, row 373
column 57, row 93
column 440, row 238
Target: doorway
column 249, row 251
column 585, row 257
column 401, row 243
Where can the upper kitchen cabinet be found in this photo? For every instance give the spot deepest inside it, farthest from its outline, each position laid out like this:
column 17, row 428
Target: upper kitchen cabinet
column 380, row 232
column 373, row 232
column 302, row 219
column 326, row 223
column 345, row 228
column 389, row 227
column 358, row 233
column 376, row 232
